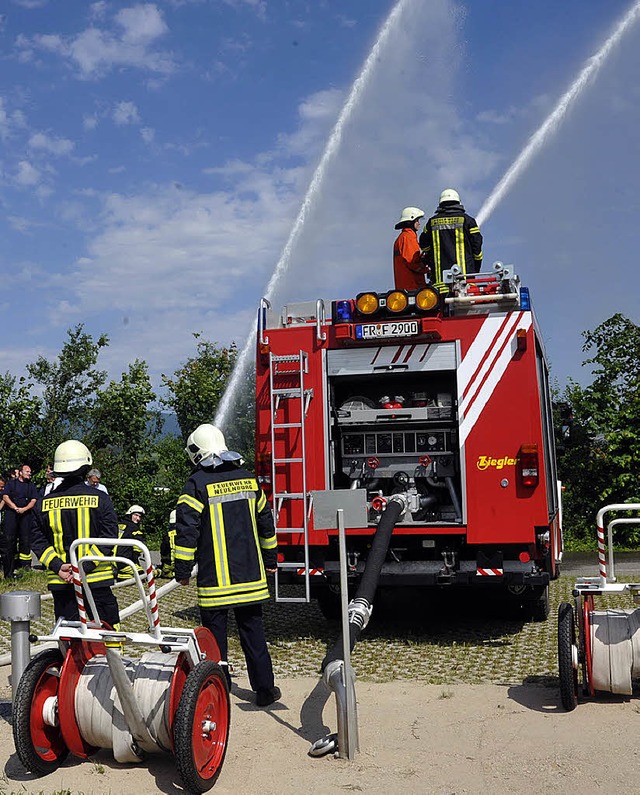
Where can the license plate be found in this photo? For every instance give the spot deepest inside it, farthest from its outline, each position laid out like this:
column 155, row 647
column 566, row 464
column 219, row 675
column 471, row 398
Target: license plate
column 403, row 328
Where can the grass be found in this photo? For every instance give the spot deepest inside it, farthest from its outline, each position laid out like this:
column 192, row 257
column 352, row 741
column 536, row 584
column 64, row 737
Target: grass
column 26, row 580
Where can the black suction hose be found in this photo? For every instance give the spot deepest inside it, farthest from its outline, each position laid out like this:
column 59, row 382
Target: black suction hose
column 367, row 588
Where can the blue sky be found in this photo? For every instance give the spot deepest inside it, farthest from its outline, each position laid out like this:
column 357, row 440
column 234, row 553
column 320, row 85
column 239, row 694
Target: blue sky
column 154, row 158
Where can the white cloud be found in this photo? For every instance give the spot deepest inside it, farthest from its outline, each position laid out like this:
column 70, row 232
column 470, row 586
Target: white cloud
column 47, row 143
column 148, row 135
column 97, row 50
column 259, row 6
column 90, row 121
column 126, row 113
column 27, row 175
column 10, row 122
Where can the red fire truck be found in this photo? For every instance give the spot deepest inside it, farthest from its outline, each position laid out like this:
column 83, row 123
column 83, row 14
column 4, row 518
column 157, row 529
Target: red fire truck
column 443, row 398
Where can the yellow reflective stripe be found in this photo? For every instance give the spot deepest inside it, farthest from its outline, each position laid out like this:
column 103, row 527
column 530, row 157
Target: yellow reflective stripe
column 191, row 502
column 254, row 596
column 269, row 543
column 252, row 512
column 55, row 522
column 218, row 590
column 47, row 556
column 219, row 543
column 262, row 501
column 83, row 525
column 437, row 276
column 460, row 257
column 478, row 256
column 474, row 229
column 185, row 553
column 25, row 556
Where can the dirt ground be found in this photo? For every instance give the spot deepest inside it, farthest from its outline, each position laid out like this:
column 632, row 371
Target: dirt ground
column 414, row 738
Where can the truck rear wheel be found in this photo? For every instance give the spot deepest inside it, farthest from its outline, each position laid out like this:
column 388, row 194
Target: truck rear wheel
column 537, row 603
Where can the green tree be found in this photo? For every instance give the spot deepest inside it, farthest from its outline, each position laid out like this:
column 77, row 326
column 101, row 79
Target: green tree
column 600, row 465
column 19, row 423
column 122, row 436
column 195, row 389
column 69, row 384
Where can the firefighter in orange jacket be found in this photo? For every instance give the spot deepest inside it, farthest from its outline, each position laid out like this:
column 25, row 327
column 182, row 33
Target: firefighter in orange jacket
column 409, row 267
column 451, row 237
column 224, row 524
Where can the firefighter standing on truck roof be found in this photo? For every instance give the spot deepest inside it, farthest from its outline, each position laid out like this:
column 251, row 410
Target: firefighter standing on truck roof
column 224, row 524
column 75, row 510
column 451, row 237
column 409, row 266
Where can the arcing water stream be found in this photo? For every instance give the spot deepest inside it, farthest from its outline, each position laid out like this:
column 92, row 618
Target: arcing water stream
column 534, row 144
column 554, row 119
column 333, row 143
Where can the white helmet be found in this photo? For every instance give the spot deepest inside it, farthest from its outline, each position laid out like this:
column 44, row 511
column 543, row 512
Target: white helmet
column 136, row 509
column 449, row 195
column 70, row 457
column 409, row 214
column 172, row 517
column 205, row 442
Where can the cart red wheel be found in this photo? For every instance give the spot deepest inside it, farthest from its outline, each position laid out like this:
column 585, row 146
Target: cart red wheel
column 78, row 654
column 208, row 644
column 567, row 657
column 201, row 727
column 587, row 610
column 39, row 744
column 180, row 673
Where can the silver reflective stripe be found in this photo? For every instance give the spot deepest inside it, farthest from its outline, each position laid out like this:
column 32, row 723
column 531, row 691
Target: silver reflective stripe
column 220, row 551
column 239, row 495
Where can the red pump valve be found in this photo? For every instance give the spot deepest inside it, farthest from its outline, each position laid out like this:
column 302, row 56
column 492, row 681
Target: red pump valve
column 373, row 462
column 424, row 461
column 378, row 504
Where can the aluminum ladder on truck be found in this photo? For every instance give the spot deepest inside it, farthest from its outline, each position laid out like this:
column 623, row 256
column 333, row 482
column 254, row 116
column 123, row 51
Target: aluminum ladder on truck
column 277, row 394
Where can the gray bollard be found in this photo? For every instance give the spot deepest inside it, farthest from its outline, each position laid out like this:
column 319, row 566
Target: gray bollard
column 19, row 607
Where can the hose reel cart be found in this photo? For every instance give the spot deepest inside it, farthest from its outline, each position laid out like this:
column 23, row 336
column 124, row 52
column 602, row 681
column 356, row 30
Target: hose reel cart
column 85, row 695
column 601, row 647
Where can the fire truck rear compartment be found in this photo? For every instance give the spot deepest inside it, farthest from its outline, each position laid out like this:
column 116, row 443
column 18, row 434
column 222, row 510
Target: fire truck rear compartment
column 397, row 432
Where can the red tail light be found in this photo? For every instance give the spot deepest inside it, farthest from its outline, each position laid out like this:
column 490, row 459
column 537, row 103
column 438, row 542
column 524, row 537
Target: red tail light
column 528, row 465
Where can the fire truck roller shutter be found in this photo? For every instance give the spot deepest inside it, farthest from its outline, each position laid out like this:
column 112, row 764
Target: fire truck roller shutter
column 422, row 357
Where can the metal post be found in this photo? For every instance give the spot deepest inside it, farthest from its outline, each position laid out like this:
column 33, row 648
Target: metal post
column 347, row 744
column 19, row 607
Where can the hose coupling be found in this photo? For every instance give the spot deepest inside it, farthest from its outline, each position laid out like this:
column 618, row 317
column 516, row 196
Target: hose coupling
column 359, row 612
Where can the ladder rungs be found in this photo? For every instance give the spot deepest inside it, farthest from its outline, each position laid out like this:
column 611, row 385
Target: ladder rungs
column 293, row 392
column 288, row 460
column 289, row 495
column 290, row 529
column 292, row 599
column 287, row 425
column 289, row 358
column 296, row 564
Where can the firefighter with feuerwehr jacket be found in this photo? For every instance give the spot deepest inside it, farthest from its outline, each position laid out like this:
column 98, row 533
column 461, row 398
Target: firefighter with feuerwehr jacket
column 74, row 510
column 225, row 525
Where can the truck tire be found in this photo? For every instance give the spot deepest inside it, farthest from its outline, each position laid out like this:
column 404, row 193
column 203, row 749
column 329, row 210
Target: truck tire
column 537, row 603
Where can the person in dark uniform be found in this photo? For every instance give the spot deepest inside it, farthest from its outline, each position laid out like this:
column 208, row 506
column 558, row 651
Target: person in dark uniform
column 224, row 524
column 19, row 498
column 168, row 548
column 451, row 237
column 75, row 510
column 130, row 528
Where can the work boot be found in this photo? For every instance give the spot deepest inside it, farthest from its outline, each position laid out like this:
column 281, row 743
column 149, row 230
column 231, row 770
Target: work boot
column 267, row 695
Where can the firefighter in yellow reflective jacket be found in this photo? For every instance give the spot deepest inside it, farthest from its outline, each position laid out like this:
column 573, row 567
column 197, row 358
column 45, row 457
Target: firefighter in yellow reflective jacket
column 451, row 237
column 224, row 524
column 75, row 510
column 130, row 528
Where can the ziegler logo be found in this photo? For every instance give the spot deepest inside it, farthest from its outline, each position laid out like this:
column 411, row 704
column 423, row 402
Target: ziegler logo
column 486, row 461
